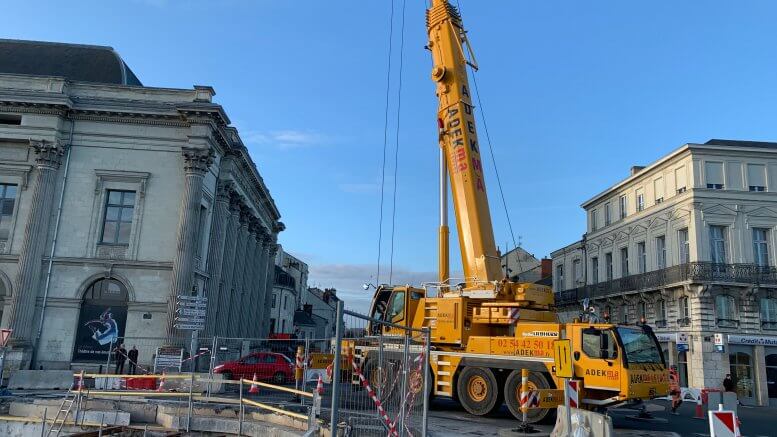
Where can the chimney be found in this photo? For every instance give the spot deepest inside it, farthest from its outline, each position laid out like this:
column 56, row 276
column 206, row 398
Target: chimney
column 546, row 267
column 636, row 169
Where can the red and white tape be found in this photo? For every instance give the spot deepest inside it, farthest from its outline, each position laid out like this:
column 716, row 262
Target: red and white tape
column 411, row 394
column 378, row 404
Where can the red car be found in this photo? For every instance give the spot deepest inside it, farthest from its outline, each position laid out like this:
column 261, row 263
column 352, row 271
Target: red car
column 267, row 366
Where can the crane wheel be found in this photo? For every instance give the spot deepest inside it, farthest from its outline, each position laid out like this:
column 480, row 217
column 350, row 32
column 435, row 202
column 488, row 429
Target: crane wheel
column 512, row 391
column 382, row 379
column 478, row 391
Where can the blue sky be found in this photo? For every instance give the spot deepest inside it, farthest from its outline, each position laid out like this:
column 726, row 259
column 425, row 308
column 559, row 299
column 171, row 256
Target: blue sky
column 575, row 93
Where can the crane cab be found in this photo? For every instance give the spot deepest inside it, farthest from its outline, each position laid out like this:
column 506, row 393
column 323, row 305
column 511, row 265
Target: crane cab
column 395, row 306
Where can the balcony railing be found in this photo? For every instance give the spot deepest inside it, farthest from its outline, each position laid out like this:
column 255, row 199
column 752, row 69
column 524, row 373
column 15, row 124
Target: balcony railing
column 689, row 272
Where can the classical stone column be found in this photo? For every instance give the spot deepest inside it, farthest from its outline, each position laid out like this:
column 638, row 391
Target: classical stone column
column 253, row 302
column 269, row 277
column 237, row 274
column 196, row 163
column 257, row 286
column 25, row 287
column 216, row 256
column 266, row 269
column 227, row 267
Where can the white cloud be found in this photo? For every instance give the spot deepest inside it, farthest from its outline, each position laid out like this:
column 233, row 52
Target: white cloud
column 284, row 139
column 349, row 278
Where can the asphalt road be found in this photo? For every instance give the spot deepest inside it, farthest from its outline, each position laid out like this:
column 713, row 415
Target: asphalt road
column 446, row 418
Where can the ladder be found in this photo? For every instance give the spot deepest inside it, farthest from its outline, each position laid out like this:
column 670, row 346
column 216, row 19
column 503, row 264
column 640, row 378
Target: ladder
column 71, row 397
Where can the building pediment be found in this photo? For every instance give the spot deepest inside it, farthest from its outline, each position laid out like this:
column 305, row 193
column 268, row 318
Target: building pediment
column 719, row 210
column 763, row 212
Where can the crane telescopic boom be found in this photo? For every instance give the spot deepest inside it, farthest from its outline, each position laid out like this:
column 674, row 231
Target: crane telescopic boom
column 460, row 151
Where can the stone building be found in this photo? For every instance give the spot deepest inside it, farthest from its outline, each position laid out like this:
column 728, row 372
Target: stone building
column 688, row 244
column 115, row 198
column 291, row 280
column 519, row 265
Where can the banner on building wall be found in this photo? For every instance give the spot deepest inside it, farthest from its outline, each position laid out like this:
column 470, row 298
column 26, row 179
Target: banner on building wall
column 755, row 340
column 99, row 326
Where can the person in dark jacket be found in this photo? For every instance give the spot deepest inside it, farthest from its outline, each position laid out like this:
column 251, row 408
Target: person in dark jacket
column 728, row 383
column 132, row 355
column 120, row 354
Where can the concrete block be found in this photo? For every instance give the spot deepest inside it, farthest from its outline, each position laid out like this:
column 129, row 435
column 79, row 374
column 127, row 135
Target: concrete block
column 41, row 380
column 114, row 417
column 598, row 424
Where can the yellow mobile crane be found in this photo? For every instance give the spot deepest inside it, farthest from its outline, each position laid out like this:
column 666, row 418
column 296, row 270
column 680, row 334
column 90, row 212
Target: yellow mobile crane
column 486, row 328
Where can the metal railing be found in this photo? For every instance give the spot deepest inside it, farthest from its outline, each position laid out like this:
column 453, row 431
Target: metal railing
column 694, row 272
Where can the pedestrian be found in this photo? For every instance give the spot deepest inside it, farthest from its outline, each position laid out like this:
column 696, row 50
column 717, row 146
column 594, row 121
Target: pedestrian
column 120, row 355
column 674, row 389
column 133, row 360
column 728, row 383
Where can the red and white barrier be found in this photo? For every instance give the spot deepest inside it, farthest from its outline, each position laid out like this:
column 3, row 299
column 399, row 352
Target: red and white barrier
column 371, row 393
column 724, row 424
column 573, row 392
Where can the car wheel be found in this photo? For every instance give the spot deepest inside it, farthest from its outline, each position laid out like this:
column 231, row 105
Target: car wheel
column 512, row 391
column 279, row 378
column 478, row 391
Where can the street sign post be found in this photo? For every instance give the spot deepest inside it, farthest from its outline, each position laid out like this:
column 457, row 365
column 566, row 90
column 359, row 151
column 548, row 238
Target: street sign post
column 190, row 313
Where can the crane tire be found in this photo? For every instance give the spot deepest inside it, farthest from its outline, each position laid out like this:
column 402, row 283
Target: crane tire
column 512, row 395
column 478, row 391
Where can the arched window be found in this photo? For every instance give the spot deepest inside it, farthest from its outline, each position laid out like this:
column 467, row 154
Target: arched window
column 726, row 311
column 768, row 313
column 101, row 321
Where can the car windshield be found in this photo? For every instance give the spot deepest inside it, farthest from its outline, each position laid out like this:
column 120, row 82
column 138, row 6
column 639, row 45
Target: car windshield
column 640, row 347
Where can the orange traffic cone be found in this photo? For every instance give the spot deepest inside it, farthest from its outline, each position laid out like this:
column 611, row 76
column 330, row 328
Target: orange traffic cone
column 699, row 413
column 161, row 383
column 320, row 386
column 254, row 390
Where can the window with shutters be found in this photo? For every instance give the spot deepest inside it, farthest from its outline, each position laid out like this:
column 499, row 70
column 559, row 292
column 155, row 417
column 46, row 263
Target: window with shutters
column 593, row 220
column 623, row 205
column 761, row 246
column 685, row 311
column 726, row 311
column 595, row 270
column 624, row 261
column 640, row 200
column 660, row 252
column 756, row 177
column 641, row 257
column 658, row 190
column 661, row 313
column 714, row 175
column 7, row 204
column 718, row 244
column 685, row 248
column 560, row 278
column 680, row 179
column 607, row 214
column 608, row 265
column 768, row 313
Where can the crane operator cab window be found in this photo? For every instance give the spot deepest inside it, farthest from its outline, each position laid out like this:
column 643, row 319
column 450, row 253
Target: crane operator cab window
column 600, row 343
column 397, row 308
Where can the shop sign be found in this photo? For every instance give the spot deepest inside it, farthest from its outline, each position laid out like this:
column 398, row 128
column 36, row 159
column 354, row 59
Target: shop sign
column 682, row 338
column 718, row 339
column 666, row 337
column 682, row 347
column 754, row 340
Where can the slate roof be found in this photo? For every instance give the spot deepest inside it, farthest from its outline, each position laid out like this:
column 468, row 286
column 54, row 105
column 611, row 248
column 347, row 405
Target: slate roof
column 75, row 62
column 740, row 143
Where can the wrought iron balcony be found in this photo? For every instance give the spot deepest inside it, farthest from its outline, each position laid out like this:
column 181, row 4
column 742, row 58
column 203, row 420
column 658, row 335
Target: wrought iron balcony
column 694, row 272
